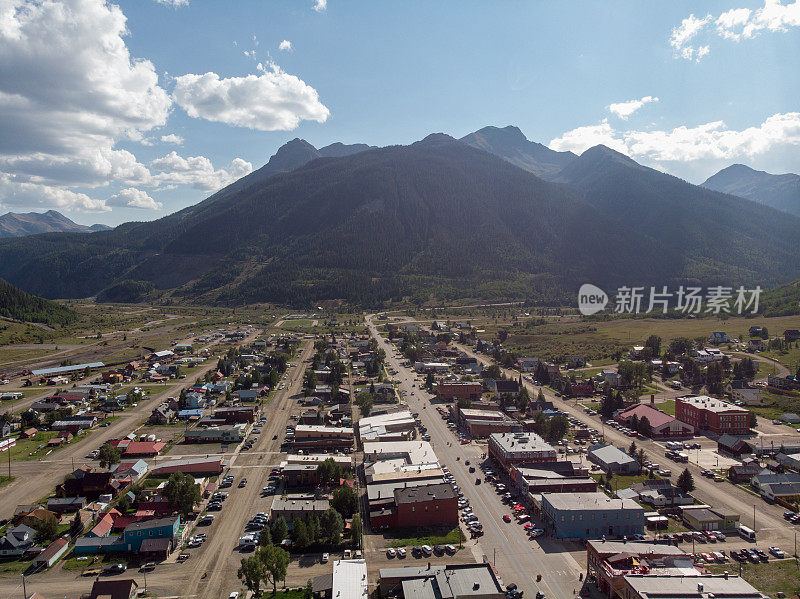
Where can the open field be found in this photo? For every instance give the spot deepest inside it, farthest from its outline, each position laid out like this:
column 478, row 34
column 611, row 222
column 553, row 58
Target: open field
column 770, row 578
column 423, row 536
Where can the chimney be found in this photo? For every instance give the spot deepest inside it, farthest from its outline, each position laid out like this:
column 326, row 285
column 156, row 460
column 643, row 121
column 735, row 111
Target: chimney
column 652, row 399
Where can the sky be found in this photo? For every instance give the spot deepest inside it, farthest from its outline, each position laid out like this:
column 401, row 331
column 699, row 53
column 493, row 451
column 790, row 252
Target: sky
column 112, row 112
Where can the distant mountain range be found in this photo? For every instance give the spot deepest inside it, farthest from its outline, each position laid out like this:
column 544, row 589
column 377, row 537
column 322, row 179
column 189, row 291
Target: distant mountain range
column 779, row 191
column 14, row 224
column 441, row 218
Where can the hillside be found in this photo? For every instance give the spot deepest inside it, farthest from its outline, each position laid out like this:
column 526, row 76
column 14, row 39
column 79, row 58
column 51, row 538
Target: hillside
column 720, row 238
column 14, row 224
column 437, row 218
column 783, row 300
column 511, row 145
column 778, row 191
column 19, row 305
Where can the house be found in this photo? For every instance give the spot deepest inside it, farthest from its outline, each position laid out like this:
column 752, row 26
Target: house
column 143, row 449
column 113, row 588
column 662, row 426
column 17, row 541
column 791, row 335
column 526, row 364
column 161, row 415
column 33, row 515
column 611, row 377
column 658, row 492
column 789, row 418
column 90, row 485
column 66, row 505
column 740, row 473
column 610, row 458
column 297, row 506
column 756, row 345
column 52, row 554
column 133, row 469
column 741, row 392
column 718, row 337
column 501, row 387
column 590, row 516
column 163, row 528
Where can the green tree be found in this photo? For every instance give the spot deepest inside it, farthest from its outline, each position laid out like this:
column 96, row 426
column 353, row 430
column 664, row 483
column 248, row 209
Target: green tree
column 557, row 428
column 274, row 562
column 364, row 401
column 494, row 372
column 251, row 573
column 429, row 381
column 540, row 396
column 265, row 536
column 46, row 529
column 344, row 501
column 314, row 529
column 331, row 527
column 329, row 471
column 76, row 525
column 309, row 381
column 356, row 530
column 181, row 492
column 109, row 455
column 300, row 537
column 280, row 530
column 685, row 481
column 632, row 449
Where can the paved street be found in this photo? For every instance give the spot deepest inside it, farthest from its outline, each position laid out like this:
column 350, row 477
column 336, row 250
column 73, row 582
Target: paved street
column 517, row 559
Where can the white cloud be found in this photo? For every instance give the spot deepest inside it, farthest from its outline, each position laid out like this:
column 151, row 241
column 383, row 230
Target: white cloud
column 173, row 3
column 134, row 198
column 735, row 24
column 172, row 139
column 285, row 45
column 272, row 101
column 320, row 5
column 625, row 109
column 33, row 195
column 197, row 171
column 685, row 33
column 708, row 141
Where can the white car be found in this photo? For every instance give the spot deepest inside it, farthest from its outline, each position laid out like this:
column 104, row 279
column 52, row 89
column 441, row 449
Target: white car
column 234, row 595
column 325, row 558
column 390, row 552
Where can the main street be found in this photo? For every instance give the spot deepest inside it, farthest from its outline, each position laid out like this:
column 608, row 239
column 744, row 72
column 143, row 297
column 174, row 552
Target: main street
column 516, row 558
column 769, row 519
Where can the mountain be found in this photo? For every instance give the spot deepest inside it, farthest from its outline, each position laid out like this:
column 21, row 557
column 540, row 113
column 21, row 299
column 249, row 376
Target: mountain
column 720, row 237
column 511, row 145
column 30, row 223
column 19, row 305
column 779, row 191
column 438, row 218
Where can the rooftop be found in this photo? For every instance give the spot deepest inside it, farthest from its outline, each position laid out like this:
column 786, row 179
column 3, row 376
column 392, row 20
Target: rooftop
column 520, row 442
column 711, row 404
column 692, row 587
column 422, row 493
column 588, row 501
column 350, row 579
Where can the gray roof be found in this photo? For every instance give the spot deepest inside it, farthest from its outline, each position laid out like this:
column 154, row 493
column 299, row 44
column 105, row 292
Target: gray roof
column 688, row 587
column 608, row 454
column 445, row 582
column 64, row 369
column 588, row 501
column 424, row 493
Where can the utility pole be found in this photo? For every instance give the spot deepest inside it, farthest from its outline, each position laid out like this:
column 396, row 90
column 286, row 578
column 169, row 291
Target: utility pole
column 754, row 517
column 24, row 589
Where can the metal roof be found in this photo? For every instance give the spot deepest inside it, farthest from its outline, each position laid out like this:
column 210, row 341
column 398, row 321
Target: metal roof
column 63, row 369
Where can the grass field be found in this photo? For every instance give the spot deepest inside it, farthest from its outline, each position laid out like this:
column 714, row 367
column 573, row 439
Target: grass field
column 28, row 449
column 777, row 405
column 409, row 537
column 774, row 577
column 619, row 481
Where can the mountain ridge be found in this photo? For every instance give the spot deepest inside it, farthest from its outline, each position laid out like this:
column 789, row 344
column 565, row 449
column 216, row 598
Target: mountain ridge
column 778, row 191
column 20, row 224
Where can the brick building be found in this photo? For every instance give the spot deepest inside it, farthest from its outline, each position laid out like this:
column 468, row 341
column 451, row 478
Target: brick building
column 461, row 390
column 507, row 449
column 715, row 415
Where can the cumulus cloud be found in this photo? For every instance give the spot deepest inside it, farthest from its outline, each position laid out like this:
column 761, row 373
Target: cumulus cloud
column 708, row 141
column 285, row 45
column 735, row 24
column 625, row 109
column 272, row 101
column 197, row 171
column 34, row 195
column 172, row 139
column 320, row 5
column 134, row 198
column 173, row 3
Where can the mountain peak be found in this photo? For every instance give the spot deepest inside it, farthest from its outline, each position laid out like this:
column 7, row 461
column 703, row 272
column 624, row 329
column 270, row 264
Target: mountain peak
column 779, row 191
column 436, row 139
column 18, row 224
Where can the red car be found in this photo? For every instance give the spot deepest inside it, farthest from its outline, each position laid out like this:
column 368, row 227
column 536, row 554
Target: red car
column 506, row 518
column 464, row 441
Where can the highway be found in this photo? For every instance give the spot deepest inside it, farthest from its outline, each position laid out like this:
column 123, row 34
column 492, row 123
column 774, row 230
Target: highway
column 516, row 558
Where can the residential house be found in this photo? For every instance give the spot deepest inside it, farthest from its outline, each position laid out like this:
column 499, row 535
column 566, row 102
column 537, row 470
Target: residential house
column 17, row 541
column 718, row 337
column 52, row 554
column 115, row 588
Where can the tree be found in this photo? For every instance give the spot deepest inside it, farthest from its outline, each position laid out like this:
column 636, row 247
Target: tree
column 540, row 396
column 29, row 419
column 109, row 455
column 364, row 401
column 309, row 381
column 265, row 537
column 329, row 471
column 46, row 529
column 429, row 380
column 640, row 457
column 557, row 428
column 632, row 449
column 464, row 403
column 644, row 428
column 686, row 481
column 356, row 530
column 251, row 573
column 331, row 527
column 300, row 538
column 654, row 343
column 181, row 492
column 314, row 528
column 280, row 529
column 344, row 501
column 76, row 526
column 494, row 372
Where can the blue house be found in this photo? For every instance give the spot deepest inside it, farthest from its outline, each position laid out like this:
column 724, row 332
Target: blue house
column 138, row 532
column 719, row 337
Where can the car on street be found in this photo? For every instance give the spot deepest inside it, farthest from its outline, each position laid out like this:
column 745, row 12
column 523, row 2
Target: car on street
column 390, row 553
column 506, row 518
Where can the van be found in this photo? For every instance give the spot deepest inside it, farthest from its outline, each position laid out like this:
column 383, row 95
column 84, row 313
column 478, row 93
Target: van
column 747, row 533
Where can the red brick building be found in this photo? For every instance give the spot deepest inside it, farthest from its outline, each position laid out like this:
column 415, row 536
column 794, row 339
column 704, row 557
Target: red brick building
column 465, row 390
column 426, row 505
column 715, row 415
column 507, row 449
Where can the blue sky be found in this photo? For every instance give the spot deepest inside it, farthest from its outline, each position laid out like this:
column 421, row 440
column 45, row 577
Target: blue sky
column 719, row 87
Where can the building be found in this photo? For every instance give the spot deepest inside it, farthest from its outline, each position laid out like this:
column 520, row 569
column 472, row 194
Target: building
column 426, row 505
column 229, row 434
column 453, row 391
column 613, row 459
column 714, row 415
column 297, row 506
column 526, row 364
column 316, row 437
column 662, row 426
column 702, row 586
column 394, row 426
column 743, row 473
column 236, row 414
column 704, row 518
column 113, row 589
column 718, row 337
column 462, row 581
column 551, row 477
column 658, row 492
column 163, row 528
column 590, row 516
column 52, row 554
column 194, row 466
column 482, row 423
column 611, row 561
column 507, row 449
column 17, row 541
column 350, row 579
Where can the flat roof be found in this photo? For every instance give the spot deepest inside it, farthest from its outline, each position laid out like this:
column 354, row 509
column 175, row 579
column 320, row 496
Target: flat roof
column 635, row 547
column 350, row 578
column 520, row 442
column 588, row 501
column 704, row 402
column 692, row 587
column 300, row 502
column 63, row 369
column 414, row 452
column 422, row 493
